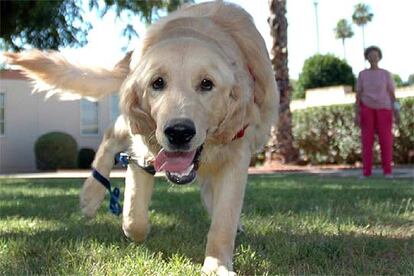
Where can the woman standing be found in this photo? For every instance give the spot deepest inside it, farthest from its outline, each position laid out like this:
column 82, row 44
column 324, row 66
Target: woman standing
column 375, row 108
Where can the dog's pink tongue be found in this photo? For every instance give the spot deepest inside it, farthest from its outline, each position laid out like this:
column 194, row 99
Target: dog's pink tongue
column 173, row 161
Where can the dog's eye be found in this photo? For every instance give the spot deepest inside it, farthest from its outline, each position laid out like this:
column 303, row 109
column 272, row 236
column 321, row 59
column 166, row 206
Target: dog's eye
column 158, row 84
column 206, row 85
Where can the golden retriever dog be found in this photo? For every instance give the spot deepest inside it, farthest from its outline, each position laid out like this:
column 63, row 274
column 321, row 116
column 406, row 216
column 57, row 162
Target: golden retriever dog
column 198, row 98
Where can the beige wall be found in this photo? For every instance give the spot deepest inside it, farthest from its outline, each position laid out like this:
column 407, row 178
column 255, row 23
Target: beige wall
column 28, row 116
column 337, row 95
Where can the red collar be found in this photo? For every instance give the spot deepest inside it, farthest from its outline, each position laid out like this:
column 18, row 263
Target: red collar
column 240, row 134
column 251, row 73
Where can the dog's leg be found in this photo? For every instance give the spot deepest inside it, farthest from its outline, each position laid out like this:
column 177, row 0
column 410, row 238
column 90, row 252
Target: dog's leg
column 207, row 195
column 138, row 191
column 228, row 192
column 93, row 192
column 207, row 200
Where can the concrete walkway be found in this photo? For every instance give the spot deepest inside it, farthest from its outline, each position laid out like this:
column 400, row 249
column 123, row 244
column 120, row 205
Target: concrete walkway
column 398, row 172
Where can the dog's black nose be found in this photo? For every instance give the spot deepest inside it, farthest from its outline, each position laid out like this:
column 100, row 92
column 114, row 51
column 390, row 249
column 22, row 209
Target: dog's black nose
column 179, row 131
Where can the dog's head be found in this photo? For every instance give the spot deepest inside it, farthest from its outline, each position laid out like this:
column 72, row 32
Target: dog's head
column 187, row 92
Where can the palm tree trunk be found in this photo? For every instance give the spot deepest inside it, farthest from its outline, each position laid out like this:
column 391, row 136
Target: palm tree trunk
column 363, row 37
column 343, row 45
column 280, row 146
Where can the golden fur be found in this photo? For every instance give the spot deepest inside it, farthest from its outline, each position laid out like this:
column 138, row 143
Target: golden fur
column 212, row 40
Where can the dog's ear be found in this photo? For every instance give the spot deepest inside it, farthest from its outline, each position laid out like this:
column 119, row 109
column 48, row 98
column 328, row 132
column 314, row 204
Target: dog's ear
column 140, row 122
column 53, row 73
column 242, row 29
column 238, row 105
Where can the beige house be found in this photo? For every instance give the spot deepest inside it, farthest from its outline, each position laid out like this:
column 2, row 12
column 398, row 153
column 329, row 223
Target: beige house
column 24, row 117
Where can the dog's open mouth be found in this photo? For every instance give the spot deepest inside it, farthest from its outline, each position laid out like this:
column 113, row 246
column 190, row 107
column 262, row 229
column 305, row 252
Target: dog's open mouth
column 180, row 167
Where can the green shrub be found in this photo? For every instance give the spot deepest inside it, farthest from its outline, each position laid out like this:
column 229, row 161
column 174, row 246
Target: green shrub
column 56, row 150
column 327, row 135
column 397, row 80
column 404, row 134
column 410, row 80
column 85, row 158
column 322, row 71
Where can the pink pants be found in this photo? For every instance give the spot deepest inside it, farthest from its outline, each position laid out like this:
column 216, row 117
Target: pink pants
column 380, row 121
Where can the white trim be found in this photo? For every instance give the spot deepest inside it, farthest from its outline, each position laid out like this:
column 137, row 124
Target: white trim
column 80, row 120
column 111, row 106
column 4, row 113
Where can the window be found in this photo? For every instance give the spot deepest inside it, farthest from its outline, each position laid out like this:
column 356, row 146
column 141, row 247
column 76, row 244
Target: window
column 114, row 107
column 2, row 113
column 89, row 117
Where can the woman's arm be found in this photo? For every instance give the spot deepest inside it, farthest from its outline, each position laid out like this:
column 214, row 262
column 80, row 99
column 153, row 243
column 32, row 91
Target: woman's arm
column 391, row 88
column 359, row 91
column 395, row 104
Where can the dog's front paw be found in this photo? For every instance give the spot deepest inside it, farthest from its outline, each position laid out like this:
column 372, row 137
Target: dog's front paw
column 137, row 231
column 91, row 197
column 213, row 266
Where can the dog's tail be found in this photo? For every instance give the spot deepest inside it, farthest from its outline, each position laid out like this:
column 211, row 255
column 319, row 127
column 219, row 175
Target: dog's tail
column 53, row 73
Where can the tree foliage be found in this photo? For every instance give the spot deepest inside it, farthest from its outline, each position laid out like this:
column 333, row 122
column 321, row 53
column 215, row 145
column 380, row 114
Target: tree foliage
column 343, row 30
column 397, row 80
column 322, row 71
column 42, row 24
column 147, row 10
column 61, row 23
column 361, row 16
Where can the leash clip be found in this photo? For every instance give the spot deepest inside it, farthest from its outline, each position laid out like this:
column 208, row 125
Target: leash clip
column 114, row 205
column 125, row 159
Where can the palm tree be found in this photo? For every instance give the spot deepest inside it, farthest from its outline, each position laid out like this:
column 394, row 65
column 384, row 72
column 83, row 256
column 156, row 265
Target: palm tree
column 280, row 145
column 343, row 31
column 362, row 15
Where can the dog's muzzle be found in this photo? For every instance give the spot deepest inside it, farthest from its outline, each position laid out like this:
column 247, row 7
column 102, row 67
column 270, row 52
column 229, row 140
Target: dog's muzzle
column 177, row 158
column 180, row 167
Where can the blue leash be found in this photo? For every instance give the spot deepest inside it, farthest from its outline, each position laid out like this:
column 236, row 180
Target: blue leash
column 114, row 205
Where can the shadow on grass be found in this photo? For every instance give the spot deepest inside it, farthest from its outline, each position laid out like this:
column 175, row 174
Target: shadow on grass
column 278, row 252
column 57, row 207
column 275, row 252
column 180, row 226
column 337, row 200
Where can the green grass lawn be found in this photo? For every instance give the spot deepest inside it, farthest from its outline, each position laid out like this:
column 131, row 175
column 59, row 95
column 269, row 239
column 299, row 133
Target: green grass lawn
column 294, row 224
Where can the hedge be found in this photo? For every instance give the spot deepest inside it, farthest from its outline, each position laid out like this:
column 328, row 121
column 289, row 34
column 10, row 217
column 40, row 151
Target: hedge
column 328, row 135
column 85, row 158
column 56, row 150
column 322, row 71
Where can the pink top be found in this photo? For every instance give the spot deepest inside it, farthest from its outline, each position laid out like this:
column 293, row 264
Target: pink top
column 375, row 87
